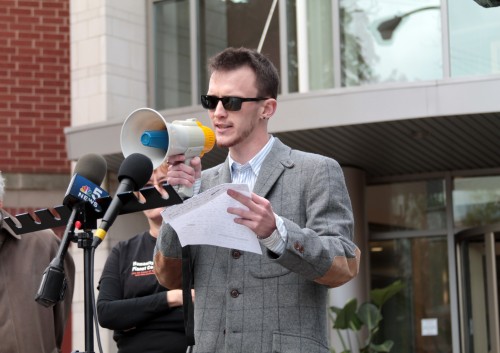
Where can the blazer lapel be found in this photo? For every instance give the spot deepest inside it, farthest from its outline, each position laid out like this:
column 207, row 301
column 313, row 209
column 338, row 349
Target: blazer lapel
column 221, row 176
column 273, row 166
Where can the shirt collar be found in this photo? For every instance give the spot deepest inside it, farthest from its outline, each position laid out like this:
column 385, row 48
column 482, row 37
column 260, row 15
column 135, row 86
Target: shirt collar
column 256, row 162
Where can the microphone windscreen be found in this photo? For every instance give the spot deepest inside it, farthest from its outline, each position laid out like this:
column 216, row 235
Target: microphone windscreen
column 136, row 167
column 92, row 167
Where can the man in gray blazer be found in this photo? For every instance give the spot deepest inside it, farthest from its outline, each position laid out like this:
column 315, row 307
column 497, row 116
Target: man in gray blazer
column 299, row 209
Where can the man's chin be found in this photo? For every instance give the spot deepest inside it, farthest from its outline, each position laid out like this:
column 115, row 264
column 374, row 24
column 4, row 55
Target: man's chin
column 223, row 144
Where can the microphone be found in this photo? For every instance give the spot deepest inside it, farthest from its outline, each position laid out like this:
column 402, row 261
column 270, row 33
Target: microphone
column 133, row 174
column 89, row 171
column 84, row 185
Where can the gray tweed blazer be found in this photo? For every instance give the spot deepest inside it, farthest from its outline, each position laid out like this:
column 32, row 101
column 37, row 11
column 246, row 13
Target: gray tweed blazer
column 245, row 302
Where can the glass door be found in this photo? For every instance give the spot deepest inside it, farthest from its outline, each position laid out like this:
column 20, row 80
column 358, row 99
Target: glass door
column 478, row 255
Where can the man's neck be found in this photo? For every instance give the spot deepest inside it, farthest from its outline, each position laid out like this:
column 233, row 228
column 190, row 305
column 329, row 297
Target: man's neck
column 243, row 153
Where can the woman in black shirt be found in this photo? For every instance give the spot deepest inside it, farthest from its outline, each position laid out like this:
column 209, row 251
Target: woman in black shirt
column 145, row 316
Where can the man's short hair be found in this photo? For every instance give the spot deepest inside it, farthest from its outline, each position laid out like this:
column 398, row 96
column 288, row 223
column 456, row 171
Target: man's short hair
column 267, row 77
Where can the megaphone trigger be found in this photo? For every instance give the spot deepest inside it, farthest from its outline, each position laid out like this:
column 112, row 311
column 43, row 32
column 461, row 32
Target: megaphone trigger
column 147, row 132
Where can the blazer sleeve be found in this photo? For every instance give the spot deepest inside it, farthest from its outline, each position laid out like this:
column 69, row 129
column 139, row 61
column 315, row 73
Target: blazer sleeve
column 322, row 249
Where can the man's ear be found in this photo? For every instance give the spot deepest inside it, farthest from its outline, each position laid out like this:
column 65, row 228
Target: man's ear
column 269, row 108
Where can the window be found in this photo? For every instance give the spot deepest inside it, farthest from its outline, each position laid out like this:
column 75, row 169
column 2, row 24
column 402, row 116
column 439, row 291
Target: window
column 474, row 40
column 172, row 56
column 408, row 206
column 418, row 318
column 476, row 201
column 386, row 40
column 407, row 225
column 236, row 23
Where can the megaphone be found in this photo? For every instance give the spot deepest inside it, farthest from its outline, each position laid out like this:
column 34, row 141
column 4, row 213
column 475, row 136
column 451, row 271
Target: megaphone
column 147, row 132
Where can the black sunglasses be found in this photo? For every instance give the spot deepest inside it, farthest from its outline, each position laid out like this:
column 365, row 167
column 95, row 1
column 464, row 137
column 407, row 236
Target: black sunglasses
column 229, row 103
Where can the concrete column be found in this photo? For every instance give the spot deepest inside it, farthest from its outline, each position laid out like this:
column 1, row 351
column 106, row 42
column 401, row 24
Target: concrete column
column 359, row 286
column 108, row 82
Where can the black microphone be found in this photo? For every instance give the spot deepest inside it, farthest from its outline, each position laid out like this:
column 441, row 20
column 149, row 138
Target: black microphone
column 133, row 174
column 89, row 172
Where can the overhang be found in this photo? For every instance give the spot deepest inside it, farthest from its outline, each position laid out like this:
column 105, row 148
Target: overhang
column 386, row 130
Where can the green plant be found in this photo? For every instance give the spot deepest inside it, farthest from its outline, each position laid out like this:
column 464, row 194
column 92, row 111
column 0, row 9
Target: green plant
column 350, row 318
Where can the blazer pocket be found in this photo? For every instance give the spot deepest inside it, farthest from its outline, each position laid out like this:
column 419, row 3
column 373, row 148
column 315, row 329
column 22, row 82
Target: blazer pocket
column 268, row 269
column 292, row 343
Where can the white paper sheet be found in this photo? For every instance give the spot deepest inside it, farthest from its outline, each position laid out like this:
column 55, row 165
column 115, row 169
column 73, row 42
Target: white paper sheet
column 203, row 219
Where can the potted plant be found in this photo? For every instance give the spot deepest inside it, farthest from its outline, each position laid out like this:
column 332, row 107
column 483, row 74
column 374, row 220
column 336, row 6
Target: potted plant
column 368, row 316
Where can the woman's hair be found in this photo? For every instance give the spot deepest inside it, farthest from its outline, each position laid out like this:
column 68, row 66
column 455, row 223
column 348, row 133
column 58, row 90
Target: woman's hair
column 267, row 77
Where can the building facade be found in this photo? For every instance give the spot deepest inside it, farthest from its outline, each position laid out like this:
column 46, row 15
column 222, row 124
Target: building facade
column 402, row 94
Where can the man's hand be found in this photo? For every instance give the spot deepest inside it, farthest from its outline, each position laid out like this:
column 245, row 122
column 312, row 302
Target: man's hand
column 259, row 217
column 180, row 173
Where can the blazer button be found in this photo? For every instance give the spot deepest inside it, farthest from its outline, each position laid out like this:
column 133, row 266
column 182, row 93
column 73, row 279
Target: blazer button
column 236, row 254
column 299, row 247
column 235, row 293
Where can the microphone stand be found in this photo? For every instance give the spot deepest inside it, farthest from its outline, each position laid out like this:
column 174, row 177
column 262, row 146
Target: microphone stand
column 85, row 241
column 53, row 284
column 82, row 216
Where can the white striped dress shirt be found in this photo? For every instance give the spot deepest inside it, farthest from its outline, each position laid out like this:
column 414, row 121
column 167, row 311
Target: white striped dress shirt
column 247, row 174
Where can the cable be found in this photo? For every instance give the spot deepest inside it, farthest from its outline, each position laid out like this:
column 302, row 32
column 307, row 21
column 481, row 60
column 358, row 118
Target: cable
column 96, row 322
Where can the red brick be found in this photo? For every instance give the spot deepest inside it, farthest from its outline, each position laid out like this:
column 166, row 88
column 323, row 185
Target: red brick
column 7, row 66
column 45, row 91
column 23, row 154
column 20, row 11
column 8, row 97
column 57, row 99
column 57, row 37
column 29, row 51
column 33, row 114
column 53, row 20
column 4, row 34
column 52, row 67
column 24, row 73
column 20, row 106
column 46, row 75
column 22, row 26
column 30, row 4
column 28, row 83
column 44, row 28
column 21, row 43
column 25, row 122
column 55, row 4
column 23, row 58
column 7, row 145
column 45, row 12
column 29, row 35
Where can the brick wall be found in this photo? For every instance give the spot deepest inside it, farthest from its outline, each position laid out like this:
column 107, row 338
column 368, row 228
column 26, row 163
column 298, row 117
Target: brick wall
column 34, row 100
column 34, row 86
